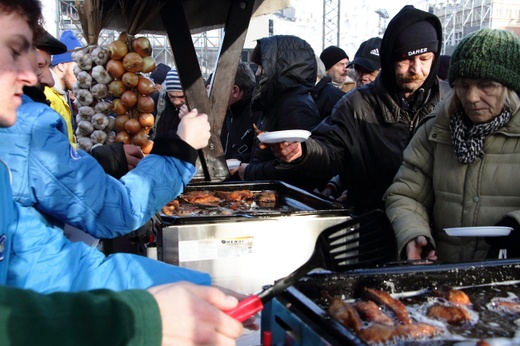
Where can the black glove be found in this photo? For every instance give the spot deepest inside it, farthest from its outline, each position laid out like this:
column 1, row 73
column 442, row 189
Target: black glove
column 511, row 242
column 171, row 144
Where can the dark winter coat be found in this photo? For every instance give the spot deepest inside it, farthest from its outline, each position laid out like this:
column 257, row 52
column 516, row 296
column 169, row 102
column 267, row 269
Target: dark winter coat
column 168, row 120
column 237, row 134
column 283, row 95
column 326, row 95
column 364, row 139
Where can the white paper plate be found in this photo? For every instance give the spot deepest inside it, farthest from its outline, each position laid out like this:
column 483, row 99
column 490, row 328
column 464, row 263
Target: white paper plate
column 484, row 231
column 284, row 136
column 233, row 163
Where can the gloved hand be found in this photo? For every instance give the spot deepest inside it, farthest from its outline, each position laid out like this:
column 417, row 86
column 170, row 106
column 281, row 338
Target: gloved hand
column 510, row 242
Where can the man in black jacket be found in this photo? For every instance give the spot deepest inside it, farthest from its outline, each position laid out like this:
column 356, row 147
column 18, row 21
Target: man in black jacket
column 237, row 134
column 363, row 140
column 286, row 75
column 325, row 94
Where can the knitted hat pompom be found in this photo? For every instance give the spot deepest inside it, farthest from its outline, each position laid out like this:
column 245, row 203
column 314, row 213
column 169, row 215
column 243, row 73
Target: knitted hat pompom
column 488, row 54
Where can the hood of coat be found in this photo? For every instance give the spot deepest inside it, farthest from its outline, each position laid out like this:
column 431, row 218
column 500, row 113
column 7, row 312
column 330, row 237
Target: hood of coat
column 288, row 64
column 401, row 22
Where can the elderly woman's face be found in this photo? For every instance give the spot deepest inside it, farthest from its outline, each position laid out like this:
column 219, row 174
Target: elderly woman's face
column 482, row 99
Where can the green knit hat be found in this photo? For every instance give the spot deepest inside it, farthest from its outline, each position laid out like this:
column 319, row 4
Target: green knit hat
column 490, row 54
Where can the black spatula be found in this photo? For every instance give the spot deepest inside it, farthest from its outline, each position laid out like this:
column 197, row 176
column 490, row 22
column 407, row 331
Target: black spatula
column 362, row 241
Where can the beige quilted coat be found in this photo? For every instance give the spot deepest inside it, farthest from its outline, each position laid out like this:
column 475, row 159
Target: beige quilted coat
column 432, row 190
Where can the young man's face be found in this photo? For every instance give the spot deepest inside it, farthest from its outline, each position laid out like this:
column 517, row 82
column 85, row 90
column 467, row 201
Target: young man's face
column 411, row 73
column 177, row 98
column 17, row 63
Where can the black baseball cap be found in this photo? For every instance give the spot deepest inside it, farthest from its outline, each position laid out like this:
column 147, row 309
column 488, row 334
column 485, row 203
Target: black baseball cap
column 367, row 56
column 50, row 44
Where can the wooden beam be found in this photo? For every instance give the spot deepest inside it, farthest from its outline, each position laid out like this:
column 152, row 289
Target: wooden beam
column 212, row 159
column 235, row 32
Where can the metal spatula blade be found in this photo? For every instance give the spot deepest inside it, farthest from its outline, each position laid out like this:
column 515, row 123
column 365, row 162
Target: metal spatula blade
column 362, row 241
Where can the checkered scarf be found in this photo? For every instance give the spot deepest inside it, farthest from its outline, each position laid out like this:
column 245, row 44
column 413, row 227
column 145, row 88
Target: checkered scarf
column 468, row 138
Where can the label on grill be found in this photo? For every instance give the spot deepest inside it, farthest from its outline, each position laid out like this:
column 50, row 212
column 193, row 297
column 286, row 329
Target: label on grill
column 211, row 249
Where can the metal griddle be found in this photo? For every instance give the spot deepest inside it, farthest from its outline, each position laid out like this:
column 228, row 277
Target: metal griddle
column 291, row 201
column 299, row 312
column 244, row 252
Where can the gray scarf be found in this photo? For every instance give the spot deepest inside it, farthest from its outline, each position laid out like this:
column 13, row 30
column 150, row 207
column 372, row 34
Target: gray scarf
column 468, row 138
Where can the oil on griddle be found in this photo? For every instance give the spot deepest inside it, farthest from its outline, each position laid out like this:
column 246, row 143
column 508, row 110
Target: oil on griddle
column 487, row 315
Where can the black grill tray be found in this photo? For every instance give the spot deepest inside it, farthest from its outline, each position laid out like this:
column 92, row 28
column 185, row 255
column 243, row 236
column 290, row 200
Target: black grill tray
column 305, row 298
column 292, row 201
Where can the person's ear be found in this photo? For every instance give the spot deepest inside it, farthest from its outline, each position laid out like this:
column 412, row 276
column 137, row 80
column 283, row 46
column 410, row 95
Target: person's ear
column 61, row 67
column 235, row 91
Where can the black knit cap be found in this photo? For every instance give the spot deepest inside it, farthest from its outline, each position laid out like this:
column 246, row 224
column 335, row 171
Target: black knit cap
column 418, row 38
column 331, row 55
column 367, row 56
column 488, row 54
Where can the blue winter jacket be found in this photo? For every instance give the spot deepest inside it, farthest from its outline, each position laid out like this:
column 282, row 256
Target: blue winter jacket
column 54, row 184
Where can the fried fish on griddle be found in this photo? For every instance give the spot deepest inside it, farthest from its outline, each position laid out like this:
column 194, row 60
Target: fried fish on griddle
column 200, row 197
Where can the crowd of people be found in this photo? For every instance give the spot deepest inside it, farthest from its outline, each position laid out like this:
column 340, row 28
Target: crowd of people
column 431, row 139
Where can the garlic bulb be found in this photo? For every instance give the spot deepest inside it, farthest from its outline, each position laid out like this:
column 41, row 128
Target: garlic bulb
column 75, row 88
column 76, row 69
column 84, row 98
column 98, row 136
column 99, row 121
column 99, row 91
column 101, row 75
column 80, row 118
column 99, row 56
column 111, row 122
column 84, row 79
column 103, row 107
column 85, row 143
column 111, row 137
column 85, row 128
column 86, row 112
column 85, row 62
column 77, row 55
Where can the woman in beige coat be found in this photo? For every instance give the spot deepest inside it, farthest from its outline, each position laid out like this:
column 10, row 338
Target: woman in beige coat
column 462, row 168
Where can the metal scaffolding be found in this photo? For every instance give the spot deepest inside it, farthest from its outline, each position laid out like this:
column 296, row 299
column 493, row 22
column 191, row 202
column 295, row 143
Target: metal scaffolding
column 383, row 18
column 331, row 23
column 461, row 17
column 206, row 43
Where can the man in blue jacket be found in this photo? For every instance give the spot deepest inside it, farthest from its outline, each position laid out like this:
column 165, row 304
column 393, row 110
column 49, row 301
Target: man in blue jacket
column 169, row 314
column 54, row 184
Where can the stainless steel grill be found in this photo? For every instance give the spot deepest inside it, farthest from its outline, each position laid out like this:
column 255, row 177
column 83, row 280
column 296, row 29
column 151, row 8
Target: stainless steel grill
column 249, row 250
